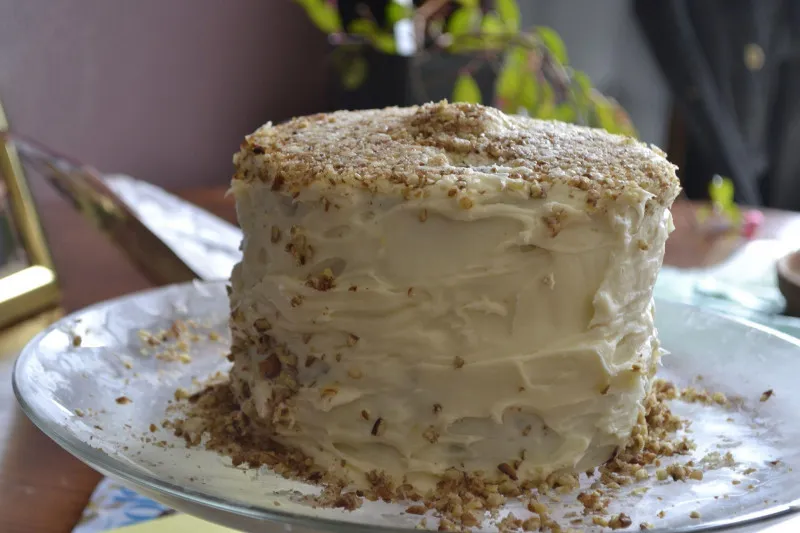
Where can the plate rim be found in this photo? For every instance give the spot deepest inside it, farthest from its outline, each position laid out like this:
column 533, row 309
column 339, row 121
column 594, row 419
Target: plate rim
column 109, row 466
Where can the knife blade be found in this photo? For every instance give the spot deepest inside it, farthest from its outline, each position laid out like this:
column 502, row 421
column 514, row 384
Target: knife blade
column 97, row 199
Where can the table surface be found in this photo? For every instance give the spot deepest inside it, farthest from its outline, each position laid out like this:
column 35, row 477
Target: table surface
column 44, row 489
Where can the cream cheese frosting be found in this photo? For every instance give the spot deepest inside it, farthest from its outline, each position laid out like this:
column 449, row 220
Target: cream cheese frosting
column 447, row 287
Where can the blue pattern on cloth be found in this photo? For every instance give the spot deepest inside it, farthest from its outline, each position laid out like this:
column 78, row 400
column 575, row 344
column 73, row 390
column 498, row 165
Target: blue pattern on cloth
column 113, row 506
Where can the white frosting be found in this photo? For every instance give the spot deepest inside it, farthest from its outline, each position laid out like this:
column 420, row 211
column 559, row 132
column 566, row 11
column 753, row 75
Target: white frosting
column 546, row 302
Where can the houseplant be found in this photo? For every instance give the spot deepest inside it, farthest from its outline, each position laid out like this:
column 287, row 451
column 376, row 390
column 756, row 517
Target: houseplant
column 403, row 52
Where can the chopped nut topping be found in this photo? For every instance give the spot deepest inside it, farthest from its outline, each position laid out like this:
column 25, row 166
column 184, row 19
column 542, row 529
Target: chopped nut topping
column 355, row 373
column 423, row 215
column 458, row 362
column 465, row 202
column 181, row 394
column 533, row 523
column 270, row 368
column 352, row 339
column 329, row 392
column 620, row 521
column 323, row 282
column 591, row 501
column 431, row 435
column 378, row 428
column 77, row 340
column 508, row 470
column 437, row 408
column 766, row 395
column 122, row 400
column 365, row 414
column 276, row 234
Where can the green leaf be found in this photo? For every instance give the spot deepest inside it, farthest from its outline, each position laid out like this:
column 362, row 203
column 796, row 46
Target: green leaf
column 604, row 114
column 529, row 94
column 363, row 27
column 384, row 42
column 463, row 21
column 396, row 12
column 546, row 103
column 553, row 43
column 354, row 72
column 324, row 15
column 466, row 90
column 492, row 25
column 564, row 113
column 509, row 14
column 583, row 83
column 610, row 116
column 511, row 76
column 581, row 88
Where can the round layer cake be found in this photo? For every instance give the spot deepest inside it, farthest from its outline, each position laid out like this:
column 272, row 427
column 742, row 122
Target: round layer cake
column 447, row 286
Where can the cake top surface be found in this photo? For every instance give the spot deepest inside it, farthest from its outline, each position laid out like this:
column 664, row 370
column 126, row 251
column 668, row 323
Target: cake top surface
column 451, row 143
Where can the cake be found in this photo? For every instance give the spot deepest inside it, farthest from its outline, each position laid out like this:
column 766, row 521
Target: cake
column 446, row 287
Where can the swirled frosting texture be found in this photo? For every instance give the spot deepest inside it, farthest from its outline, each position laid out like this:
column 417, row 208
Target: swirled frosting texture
column 445, row 303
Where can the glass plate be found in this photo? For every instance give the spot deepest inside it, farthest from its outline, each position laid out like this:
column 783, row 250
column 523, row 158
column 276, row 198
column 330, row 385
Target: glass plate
column 69, row 392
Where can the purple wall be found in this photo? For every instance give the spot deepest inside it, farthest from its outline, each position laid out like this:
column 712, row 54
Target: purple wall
column 161, row 90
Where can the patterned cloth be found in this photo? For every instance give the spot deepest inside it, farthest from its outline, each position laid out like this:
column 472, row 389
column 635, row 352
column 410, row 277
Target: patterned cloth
column 113, row 506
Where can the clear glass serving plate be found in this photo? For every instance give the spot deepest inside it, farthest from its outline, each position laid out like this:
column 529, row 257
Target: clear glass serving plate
column 69, row 389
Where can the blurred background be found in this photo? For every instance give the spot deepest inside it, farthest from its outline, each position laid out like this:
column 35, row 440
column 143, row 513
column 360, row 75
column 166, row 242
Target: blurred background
column 165, row 91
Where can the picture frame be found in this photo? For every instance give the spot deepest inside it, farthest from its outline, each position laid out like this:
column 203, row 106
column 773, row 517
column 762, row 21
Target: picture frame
column 28, row 281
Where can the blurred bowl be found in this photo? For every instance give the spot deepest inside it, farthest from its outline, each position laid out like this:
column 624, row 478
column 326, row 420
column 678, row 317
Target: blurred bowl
column 789, row 282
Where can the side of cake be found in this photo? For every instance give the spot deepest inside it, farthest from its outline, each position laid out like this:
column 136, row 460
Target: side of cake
column 447, row 287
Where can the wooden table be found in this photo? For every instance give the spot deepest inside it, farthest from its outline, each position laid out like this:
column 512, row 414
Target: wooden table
column 42, row 488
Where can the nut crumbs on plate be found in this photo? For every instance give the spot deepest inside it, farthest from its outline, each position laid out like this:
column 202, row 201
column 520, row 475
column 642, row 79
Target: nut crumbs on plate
column 460, row 500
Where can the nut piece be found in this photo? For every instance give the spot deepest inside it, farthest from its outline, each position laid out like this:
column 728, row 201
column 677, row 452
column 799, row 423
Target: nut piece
column 508, row 470
column 431, row 435
column 458, row 362
column 123, row 400
column 378, row 428
column 766, row 395
column 270, row 367
column 620, row 521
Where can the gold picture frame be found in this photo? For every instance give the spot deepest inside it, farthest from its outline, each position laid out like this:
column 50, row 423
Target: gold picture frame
column 33, row 285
